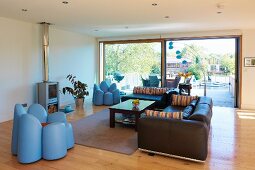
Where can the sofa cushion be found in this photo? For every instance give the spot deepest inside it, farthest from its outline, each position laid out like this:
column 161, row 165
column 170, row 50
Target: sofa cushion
column 202, row 113
column 173, row 109
column 181, row 100
column 155, row 113
column 205, row 100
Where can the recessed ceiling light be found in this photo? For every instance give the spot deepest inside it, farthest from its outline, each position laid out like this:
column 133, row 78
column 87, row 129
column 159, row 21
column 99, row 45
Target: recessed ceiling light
column 154, row 4
column 220, row 8
column 65, row 2
column 24, row 10
column 166, row 17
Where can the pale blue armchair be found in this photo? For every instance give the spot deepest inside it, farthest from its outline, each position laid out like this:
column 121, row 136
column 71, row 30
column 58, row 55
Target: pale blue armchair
column 104, row 94
column 31, row 141
column 38, row 111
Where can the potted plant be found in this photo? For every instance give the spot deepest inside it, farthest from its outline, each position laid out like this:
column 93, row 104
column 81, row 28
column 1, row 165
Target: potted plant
column 78, row 91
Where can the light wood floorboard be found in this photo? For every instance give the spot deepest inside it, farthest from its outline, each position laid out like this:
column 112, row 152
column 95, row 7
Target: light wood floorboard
column 231, row 146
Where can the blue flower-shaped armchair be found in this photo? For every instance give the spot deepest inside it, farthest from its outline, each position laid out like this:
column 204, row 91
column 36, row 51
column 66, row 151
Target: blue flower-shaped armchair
column 104, row 94
column 31, row 141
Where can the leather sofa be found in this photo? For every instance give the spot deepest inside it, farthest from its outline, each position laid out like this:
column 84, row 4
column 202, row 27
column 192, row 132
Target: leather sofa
column 161, row 101
column 185, row 138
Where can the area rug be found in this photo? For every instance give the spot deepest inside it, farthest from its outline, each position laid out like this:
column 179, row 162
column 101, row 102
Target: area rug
column 94, row 131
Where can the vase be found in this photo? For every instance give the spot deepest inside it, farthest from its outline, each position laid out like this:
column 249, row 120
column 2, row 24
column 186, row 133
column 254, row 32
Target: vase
column 79, row 102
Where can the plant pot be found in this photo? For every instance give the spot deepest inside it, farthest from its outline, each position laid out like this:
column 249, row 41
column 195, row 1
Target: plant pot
column 79, row 102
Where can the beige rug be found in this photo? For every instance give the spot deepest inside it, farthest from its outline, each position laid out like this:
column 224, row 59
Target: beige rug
column 94, row 131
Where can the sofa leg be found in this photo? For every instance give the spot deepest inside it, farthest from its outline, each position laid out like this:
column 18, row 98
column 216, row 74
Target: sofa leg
column 151, row 154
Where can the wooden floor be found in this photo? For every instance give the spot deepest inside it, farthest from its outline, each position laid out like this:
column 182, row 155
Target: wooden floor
column 231, row 146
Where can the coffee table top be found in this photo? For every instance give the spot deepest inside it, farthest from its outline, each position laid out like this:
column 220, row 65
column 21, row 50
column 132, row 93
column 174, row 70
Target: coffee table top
column 127, row 105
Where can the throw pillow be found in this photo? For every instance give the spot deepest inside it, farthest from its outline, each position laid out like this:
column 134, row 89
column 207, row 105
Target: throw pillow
column 181, row 100
column 187, row 112
column 171, row 115
column 193, row 103
column 149, row 90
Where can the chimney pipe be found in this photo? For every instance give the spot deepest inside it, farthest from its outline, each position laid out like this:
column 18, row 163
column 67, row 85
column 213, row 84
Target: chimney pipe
column 45, row 43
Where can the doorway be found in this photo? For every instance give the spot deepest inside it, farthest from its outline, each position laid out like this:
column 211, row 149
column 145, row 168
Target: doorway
column 213, row 64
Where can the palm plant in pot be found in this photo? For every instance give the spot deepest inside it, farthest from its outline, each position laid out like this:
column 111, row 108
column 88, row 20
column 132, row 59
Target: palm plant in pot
column 78, row 91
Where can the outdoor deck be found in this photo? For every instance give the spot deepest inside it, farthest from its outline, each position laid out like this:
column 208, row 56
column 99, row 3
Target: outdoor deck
column 220, row 95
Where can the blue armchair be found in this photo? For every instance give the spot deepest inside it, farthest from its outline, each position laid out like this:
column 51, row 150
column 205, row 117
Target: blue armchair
column 31, row 141
column 105, row 94
column 40, row 113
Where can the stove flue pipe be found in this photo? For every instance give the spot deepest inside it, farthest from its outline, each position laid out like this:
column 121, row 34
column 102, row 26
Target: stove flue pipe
column 45, row 44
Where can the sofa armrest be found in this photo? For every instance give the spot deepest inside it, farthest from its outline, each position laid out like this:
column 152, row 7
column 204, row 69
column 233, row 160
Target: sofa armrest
column 186, row 138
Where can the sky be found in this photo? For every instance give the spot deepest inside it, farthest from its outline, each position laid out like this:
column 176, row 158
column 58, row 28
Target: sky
column 218, row 46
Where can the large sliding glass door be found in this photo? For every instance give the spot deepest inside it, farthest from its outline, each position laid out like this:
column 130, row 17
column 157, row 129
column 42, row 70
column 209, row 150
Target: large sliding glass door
column 132, row 64
column 213, row 63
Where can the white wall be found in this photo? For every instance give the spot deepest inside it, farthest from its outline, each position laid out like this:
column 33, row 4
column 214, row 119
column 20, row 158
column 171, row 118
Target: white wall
column 72, row 53
column 21, row 61
column 248, row 78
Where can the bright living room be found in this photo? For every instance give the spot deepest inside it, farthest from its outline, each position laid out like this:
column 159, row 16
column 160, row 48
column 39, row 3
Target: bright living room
column 76, row 53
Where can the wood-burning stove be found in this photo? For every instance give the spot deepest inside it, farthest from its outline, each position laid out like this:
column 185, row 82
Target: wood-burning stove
column 48, row 96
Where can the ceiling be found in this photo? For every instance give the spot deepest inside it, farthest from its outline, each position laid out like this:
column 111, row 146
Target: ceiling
column 107, row 18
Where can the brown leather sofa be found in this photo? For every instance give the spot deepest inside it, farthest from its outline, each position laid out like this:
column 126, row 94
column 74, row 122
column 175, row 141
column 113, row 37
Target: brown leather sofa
column 186, row 138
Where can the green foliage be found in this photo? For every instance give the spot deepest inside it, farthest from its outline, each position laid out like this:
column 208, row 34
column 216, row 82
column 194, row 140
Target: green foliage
column 196, row 71
column 193, row 52
column 79, row 89
column 199, row 60
column 131, row 58
column 155, row 69
column 228, row 63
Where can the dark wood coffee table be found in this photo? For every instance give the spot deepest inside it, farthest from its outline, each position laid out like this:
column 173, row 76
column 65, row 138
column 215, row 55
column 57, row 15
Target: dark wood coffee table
column 126, row 107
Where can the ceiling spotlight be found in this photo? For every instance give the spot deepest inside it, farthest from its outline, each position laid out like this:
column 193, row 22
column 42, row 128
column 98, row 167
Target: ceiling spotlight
column 220, row 8
column 65, row 2
column 154, row 4
column 24, row 10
